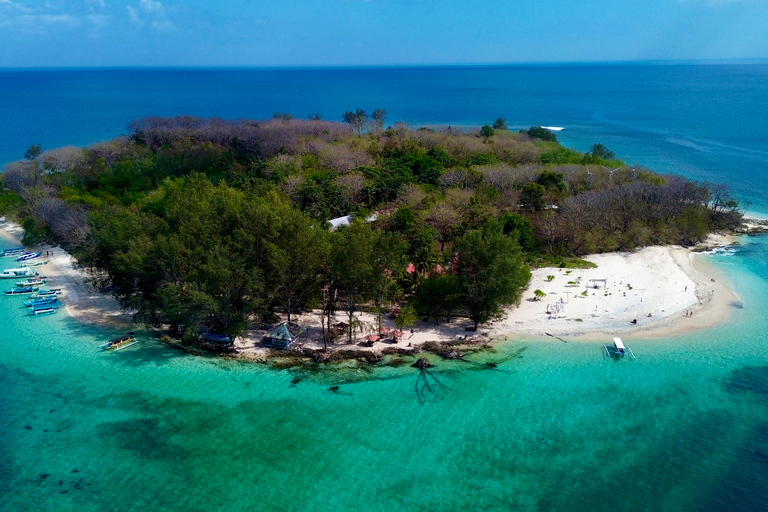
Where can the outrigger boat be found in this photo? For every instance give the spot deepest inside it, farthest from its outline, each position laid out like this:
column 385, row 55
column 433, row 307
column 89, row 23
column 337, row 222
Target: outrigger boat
column 51, row 299
column 618, row 349
column 119, row 343
column 42, row 311
column 35, row 264
column 33, row 281
column 46, row 293
column 19, row 291
column 29, row 256
column 14, row 251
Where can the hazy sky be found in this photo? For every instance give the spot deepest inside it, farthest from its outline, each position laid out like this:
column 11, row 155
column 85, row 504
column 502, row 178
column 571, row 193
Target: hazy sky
column 375, row 32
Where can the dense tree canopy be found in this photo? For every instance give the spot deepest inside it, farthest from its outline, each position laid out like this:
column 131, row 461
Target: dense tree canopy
column 207, row 223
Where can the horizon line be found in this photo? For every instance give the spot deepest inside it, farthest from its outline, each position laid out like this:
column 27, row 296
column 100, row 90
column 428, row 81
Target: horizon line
column 541, row 64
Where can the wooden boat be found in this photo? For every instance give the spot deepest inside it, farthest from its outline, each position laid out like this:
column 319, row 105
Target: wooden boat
column 52, row 291
column 42, row 311
column 34, row 281
column 618, row 349
column 51, row 299
column 29, row 256
column 217, row 338
column 14, row 251
column 17, row 273
column 19, row 291
column 119, row 343
column 36, row 264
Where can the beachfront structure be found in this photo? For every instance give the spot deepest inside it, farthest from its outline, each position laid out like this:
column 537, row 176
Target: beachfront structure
column 285, row 334
column 347, row 220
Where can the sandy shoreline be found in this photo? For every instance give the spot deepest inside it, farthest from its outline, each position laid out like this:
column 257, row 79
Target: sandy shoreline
column 667, row 290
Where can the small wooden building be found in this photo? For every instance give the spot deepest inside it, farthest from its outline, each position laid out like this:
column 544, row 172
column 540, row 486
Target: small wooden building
column 285, row 334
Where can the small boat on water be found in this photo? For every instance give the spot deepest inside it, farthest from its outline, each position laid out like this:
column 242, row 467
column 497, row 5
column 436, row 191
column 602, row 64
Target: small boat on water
column 42, row 311
column 217, row 338
column 52, row 291
column 618, row 349
column 126, row 340
column 29, row 256
column 33, row 281
column 14, row 251
column 20, row 291
column 17, row 273
column 47, row 310
column 51, row 299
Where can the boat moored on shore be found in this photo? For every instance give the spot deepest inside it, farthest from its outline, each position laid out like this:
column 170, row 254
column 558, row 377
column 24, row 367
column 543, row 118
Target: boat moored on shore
column 21, row 291
column 16, row 273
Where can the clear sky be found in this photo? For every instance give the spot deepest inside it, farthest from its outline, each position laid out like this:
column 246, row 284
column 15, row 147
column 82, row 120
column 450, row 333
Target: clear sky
column 99, row 33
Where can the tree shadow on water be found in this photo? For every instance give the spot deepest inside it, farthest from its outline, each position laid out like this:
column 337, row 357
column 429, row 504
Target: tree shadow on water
column 429, row 388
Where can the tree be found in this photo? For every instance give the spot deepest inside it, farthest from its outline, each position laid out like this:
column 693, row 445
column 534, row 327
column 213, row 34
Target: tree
column 538, row 294
column 537, row 132
column 33, row 151
column 438, row 295
column 514, row 222
column 379, row 116
column 353, row 267
column 600, row 152
column 500, row 124
column 406, row 317
column 492, row 271
column 296, row 255
column 487, row 131
column 356, row 119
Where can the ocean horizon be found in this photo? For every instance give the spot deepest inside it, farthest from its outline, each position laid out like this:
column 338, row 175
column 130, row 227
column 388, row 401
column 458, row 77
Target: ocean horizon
column 555, row 426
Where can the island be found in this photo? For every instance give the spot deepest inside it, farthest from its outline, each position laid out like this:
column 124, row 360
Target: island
column 321, row 239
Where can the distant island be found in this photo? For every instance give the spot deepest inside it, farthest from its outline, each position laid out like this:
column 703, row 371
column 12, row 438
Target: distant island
column 211, row 227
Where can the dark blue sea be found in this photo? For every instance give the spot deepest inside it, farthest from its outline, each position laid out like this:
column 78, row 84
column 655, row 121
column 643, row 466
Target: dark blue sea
column 553, row 427
column 707, row 122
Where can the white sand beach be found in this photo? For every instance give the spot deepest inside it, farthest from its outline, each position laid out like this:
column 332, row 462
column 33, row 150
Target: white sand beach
column 654, row 292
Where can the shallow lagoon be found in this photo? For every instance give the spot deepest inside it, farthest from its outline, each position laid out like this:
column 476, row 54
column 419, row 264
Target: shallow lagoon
column 556, row 426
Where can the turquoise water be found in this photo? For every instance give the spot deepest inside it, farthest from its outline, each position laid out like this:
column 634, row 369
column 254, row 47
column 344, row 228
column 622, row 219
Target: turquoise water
column 555, row 427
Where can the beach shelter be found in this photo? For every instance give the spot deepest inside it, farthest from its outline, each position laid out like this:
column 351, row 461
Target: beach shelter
column 284, row 334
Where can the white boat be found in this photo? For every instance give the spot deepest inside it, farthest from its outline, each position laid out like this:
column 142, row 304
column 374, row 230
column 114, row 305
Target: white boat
column 16, row 273
column 618, row 349
column 553, row 128
column 42, row 311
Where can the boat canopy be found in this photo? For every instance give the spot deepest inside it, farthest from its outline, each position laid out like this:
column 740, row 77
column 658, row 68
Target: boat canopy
column 618, row 344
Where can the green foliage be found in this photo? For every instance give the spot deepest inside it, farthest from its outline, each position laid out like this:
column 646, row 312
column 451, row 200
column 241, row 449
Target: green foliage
column 600, row 152
column 516, row 223
column 500, row 124
column 487, row 131
column 404, row 219
column 551, row 181
column 196, row 222
column 561, row 155
column 438, row 296
column 9, row 202
column 532, row 196
column 537, row 132
column 34, row 232
column 33, row 152
column 538, row 294
column 356, row 119
column 406, row 318
column 491, row 270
